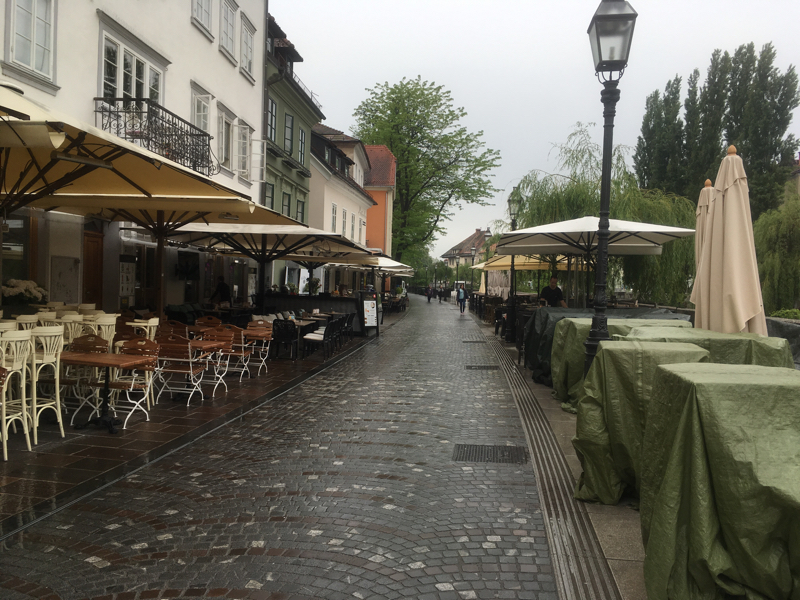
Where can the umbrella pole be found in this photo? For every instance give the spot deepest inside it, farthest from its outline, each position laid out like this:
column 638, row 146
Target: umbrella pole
column 262, row 274
column 160, row 288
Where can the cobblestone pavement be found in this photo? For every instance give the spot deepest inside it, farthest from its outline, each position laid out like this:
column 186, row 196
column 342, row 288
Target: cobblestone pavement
column 344, row 487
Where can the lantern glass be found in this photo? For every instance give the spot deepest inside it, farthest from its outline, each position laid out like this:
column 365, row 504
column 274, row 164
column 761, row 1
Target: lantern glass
column 610, row 35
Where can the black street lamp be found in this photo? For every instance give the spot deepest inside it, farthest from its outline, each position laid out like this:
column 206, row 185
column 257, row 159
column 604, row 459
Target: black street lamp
column 610, row 34
column 511, row 308
column 473, row 250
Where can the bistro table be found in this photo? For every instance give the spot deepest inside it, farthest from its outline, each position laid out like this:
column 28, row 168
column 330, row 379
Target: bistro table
column 106, row 361
column 195, row 330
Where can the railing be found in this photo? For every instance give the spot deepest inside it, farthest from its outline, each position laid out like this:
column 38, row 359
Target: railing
column 307, row 91
column 151, row 126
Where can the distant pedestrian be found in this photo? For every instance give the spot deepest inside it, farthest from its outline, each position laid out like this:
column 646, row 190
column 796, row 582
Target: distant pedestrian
column 441, row 293
column 462, row 298
column 428, row 293
column 223, row 292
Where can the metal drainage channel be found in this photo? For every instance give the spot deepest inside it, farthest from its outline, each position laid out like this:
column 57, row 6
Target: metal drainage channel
column 580, row 568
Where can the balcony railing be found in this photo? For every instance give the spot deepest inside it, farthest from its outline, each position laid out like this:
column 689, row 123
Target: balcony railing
column 151, row 126
column 307, row 91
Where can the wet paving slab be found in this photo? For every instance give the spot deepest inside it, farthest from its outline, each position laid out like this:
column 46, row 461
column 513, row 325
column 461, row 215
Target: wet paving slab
column 346, row 486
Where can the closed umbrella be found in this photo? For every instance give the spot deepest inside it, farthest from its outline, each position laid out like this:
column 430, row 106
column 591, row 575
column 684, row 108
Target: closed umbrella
column 701, row 215
column 727, row 290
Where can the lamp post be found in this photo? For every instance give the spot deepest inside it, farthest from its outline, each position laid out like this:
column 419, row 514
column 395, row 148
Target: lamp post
column 511, row 309
column 610, row 35
column 472, row 250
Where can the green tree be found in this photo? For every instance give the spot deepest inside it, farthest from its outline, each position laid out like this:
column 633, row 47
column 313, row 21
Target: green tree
column 440, row 164
column 767, row 156
column 546, row 198
column 709, row 150
column 658, row 159
column 777, row 237
column 743, row 66
column 692, row 133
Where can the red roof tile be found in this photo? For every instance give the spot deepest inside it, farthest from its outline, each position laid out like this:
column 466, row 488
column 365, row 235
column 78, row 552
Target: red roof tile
column 384, row 165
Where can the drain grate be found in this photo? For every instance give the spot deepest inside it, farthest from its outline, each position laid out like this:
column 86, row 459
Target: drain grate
column 482, row 367
column 490, row 454
column 474, row 341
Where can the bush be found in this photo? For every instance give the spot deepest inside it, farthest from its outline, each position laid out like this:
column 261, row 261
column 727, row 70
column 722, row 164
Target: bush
column 787, row 313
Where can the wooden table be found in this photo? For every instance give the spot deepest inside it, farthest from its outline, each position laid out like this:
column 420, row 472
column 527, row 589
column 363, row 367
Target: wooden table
column 106, row 361
column 197, row 329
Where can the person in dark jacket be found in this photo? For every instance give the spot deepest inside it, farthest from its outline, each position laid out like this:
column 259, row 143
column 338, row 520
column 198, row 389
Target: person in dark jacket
column 553, row 294
column 462, row 298
column 223, row 291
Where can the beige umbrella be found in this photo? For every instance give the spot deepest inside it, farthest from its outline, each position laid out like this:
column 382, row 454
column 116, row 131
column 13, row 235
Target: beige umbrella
column 701, row 215
column 521, row 263
column 727, row 290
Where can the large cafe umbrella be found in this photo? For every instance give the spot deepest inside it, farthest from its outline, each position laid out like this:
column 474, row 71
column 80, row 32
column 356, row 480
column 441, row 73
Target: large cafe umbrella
column 579, row 237
column 727, row 289
column 53, row 161
column 266, row 243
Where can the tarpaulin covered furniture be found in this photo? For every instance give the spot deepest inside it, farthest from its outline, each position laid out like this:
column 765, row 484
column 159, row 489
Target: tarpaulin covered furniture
column 612, row 412
column 726, row 348
column 569, row 352
column 720, row 489
column 540, row 329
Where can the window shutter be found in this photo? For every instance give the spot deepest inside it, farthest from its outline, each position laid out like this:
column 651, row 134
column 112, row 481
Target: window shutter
column 258, row 161
column 221, row 135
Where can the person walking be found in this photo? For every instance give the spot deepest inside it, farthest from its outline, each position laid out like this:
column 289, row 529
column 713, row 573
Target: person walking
column 441, row 293
column 462, row 298
column 223, row 292
column 428, row 293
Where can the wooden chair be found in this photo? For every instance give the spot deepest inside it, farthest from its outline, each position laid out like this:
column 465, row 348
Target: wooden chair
column 241, row 350
column 78, row 378
column 220, row 360
column 260, row 332
column 208, row 321
column 136, row 384
column 176, row 359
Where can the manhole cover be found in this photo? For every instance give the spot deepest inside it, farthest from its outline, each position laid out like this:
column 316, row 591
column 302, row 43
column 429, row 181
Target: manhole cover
column 482, row 367
column 490, row 454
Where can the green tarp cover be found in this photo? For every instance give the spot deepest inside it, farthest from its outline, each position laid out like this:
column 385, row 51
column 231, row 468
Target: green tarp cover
column 720, row 489
column 727, row 348
column 569, row 353
column 790, row 330
column 541, row 326
column 612, row 411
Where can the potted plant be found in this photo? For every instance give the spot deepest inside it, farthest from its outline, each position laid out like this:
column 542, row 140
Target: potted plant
column 292, row 288
column 23, row 291
column 312, row 286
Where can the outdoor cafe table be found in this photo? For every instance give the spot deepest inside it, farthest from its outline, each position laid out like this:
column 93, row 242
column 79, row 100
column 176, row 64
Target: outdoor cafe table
column 720, row 490
column 612, row 412
column 105, row 361
column 725, row 348
column 569, row 353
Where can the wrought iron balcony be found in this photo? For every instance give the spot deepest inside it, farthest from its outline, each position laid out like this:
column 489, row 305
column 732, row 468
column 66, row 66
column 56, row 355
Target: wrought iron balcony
column 305, row 89
column 149, row 125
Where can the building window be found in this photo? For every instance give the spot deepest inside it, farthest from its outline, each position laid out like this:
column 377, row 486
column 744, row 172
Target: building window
column 200, row 110
column 287, row 204
column 344, row 222
column 201, row 10
column 272, row 119
column 333, row 218
column 248, row 37
column 33, row 35
column 225, row 138
column 288, row 133
column 301, row 210
column 243, row 133
column 128, row 75
column 301, row 148
column 327, row 154
column 353, row 226
column 227, row 33
column 269, row 200
column 360, row 231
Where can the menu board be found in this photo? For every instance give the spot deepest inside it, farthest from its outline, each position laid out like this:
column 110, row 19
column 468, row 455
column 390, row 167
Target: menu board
column 370, row 313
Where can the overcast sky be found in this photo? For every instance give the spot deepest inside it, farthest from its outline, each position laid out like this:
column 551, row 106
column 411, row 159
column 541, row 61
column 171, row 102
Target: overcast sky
column 522, row 69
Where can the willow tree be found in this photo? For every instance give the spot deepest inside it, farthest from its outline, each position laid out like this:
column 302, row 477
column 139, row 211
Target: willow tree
column 575, row 193
column 440, row 164
column 777, row 237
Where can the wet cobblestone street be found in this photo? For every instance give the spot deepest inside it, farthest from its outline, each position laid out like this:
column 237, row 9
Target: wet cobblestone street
column 344, row 487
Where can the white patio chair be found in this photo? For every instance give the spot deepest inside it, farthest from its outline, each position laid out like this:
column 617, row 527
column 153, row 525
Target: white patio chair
column 27, row 321
column 47, row 344
column 14, row 349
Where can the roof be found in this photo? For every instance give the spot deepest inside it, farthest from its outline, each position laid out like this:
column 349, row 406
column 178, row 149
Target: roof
column 383, row 169
column 345, row 178
column 286, row 48
column 464, row 248
column 332, row 134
